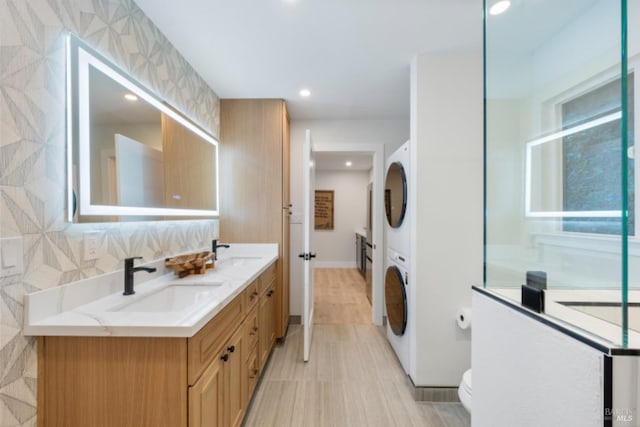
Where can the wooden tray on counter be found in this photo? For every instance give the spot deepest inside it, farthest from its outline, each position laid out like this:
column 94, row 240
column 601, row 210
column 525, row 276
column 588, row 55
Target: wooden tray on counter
column 196, row 263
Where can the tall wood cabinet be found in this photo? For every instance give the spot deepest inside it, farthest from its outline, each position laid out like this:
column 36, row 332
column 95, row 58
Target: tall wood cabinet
column 254, row 176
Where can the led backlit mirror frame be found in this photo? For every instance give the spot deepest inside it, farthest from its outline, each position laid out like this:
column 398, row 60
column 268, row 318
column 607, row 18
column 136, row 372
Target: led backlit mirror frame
column 530, row 211
column 80, row 57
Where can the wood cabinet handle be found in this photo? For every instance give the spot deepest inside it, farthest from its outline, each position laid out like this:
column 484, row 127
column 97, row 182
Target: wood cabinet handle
column 253, row 374
column 255, row 329
column 254, row 294
column 231, row 349
column 225, row 357
column 270, row 293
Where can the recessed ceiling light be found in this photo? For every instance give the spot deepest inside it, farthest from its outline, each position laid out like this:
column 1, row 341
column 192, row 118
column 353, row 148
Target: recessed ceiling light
column 305, row 92
column 130, row 97
column 499, row 7
column 348, row 163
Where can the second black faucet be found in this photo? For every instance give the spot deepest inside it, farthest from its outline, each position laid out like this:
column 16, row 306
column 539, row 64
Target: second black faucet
column 214, row 248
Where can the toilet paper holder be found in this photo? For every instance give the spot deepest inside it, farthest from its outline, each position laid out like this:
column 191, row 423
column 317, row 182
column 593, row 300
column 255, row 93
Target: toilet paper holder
column 463, row 318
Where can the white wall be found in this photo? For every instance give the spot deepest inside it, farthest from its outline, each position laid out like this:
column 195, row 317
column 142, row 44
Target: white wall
column 446, row 184
column 336, row 248
column 391, row 133
column 529, row 375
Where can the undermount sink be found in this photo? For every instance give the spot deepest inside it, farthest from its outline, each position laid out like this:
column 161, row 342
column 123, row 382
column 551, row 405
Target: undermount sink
column 237, row 260
column 175, row 297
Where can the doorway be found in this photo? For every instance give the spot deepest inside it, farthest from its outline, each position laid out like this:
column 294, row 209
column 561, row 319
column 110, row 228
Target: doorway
column 340, row 285
column 340, row 297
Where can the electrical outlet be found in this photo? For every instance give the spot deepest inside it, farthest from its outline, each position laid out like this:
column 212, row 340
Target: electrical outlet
column 91, row 245
column 11, row 255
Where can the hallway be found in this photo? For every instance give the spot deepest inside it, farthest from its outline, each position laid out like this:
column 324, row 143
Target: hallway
column 340, row 297
column 353, row 377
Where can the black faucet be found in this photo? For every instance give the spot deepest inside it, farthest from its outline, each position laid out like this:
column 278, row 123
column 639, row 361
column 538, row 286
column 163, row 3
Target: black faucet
column 214, row 248
column 129, row 269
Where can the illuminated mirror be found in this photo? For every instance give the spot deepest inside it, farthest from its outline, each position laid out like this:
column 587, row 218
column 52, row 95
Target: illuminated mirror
column 131, row 156
column 561, row 166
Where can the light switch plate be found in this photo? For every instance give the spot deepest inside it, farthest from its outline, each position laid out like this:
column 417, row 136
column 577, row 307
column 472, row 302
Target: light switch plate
column 11, row 254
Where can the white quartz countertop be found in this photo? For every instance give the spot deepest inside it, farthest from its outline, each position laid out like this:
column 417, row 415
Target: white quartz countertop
column 96, row 306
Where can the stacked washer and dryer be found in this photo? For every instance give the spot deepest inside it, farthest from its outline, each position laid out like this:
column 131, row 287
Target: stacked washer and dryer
column 397, row 287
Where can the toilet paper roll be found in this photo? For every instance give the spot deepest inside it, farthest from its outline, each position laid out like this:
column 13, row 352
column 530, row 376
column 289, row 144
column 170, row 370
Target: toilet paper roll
column 463, row 318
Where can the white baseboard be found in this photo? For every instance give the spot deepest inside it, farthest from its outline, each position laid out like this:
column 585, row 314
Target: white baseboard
column 334, row 264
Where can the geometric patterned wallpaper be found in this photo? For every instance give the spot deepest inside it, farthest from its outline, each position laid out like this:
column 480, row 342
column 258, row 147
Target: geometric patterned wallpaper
column 32, row 161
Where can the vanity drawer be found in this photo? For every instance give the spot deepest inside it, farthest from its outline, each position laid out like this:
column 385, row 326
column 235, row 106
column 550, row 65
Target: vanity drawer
column 252, row 294
column 204, row 346
column 267, row 278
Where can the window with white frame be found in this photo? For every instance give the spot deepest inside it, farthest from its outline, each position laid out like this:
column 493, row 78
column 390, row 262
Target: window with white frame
column 591, row 159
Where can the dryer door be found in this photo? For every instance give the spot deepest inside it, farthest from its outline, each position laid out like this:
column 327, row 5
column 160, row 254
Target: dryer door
column 395, row 194
column 395, row 297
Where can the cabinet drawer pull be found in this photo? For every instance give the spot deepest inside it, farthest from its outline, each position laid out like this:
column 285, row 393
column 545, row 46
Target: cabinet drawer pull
column 270, row 293
column 254, row 294
column 253, row 374
column 231, row 349
column 225, row 357
column 255, row 329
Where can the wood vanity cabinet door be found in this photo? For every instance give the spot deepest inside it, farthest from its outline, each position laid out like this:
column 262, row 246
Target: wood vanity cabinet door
column 272, row 296
column 253, row 372
column 251, row 329
column 267, row 324
column 219, row 397
column 251, row 334
column 206, row 397
column 235, row 374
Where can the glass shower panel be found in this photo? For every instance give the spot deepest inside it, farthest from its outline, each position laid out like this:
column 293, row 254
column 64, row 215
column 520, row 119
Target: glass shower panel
column 632, row 21
column 554, row 158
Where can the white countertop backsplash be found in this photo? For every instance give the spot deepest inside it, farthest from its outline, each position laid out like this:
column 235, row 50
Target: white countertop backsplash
column 83, row 308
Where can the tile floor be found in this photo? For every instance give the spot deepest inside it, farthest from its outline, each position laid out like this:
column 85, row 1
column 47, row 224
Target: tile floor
column 352, row 379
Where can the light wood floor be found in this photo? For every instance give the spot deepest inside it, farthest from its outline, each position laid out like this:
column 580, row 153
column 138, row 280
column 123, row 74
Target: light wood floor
column 340, row 297
column 353, row 378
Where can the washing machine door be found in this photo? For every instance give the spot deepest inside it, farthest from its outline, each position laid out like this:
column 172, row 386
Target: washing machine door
column 395, row 297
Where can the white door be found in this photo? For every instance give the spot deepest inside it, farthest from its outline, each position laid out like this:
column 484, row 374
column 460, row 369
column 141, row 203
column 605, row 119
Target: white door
column 308, row 191
column 140, row 173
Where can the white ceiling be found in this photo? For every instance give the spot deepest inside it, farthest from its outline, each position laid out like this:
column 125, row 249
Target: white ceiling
column 332, row 161
column 354, row 55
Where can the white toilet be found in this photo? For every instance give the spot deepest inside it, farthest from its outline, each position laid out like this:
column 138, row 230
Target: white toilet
column 464, row 391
